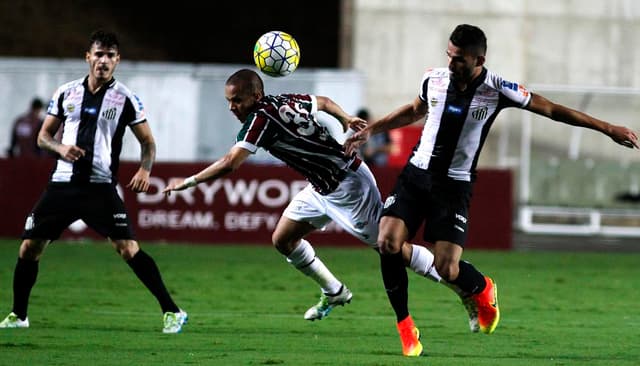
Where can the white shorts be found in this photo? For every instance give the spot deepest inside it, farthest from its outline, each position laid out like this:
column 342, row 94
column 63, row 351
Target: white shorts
column 355, row 205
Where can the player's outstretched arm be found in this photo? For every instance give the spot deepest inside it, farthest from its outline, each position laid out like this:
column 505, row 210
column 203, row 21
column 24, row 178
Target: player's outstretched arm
column 223, row 166
column 402, row 116
column 325, row 104
column 557, row 112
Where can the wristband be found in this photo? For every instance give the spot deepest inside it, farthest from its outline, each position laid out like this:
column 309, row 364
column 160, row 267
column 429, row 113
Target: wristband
column 190, row 182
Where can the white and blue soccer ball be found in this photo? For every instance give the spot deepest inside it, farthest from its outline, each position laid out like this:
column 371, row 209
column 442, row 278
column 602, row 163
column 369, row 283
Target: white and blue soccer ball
column 276, row 54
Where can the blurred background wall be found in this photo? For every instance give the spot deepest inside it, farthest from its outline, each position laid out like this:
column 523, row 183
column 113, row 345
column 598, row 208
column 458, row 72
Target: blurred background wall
column 363, row 53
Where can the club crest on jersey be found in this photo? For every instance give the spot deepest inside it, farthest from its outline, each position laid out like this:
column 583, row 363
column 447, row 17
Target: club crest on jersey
column 433, row 102
column 480, row 113
column 109, row 113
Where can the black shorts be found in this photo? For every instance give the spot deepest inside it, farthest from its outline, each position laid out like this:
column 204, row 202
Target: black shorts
column 98, row 205
column 441, row 203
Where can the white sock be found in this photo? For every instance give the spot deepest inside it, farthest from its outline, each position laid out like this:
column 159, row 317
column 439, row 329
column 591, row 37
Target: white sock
column 305, row 260
column 422, row 263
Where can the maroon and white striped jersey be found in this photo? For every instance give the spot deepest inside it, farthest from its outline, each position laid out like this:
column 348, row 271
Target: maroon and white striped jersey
column 286, row 126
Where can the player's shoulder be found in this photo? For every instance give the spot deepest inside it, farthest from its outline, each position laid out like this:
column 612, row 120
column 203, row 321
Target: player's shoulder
column 121, row 88
column 437, row 72
column 496, row 81
column 73, row 84
column 298, row 97
column 513, row 90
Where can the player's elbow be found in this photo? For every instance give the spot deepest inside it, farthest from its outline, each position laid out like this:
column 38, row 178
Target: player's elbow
column 228, row 164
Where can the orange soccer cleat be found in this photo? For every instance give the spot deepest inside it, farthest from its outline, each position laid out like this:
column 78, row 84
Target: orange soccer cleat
column 486, row 304
column 410, row 338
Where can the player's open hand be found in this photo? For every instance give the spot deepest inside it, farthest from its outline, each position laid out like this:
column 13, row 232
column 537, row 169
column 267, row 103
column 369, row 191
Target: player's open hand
column 175, row 184
column 140, row 181
column 624, row 136
column 356, row 124
column 353, row 143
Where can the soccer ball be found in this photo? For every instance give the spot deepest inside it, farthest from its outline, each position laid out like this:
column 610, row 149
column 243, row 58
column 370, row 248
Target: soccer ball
column 276, row 54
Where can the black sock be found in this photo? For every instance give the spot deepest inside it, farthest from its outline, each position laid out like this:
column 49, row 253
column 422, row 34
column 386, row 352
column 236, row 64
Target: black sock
column 396, row 283
column 24, row 277
column 147, row 271
column 469, row 280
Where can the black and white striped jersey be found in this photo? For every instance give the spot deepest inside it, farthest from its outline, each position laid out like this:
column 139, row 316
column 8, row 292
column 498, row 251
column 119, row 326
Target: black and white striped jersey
column 95, row 123
column 458, row 122
column 286, row 126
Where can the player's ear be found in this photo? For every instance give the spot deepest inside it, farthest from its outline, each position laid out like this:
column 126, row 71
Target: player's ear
column 87, row 56
column 480, row 60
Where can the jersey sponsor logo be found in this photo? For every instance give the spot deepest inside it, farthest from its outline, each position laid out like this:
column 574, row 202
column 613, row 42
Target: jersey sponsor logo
column 509, row 85
column 454, row 109
column 90, row 110
column 389, row 201
column 515, row 87
column 360, row 224
column 140, row 106
column 480, row 113
column 109, row 113
column 461, row 218
column 522, row 90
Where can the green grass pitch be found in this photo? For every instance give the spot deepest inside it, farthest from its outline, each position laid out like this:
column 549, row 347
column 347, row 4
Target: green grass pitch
column 246, row 304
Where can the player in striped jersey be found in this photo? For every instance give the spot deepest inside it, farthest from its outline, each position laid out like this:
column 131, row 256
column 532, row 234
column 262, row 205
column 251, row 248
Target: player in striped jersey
column 342, row 188
column 93, row 113
column 460, row 103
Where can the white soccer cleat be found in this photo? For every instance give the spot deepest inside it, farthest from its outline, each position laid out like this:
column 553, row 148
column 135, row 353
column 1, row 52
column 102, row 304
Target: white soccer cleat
column 472, row 310
column 12, row 321
column 328, row 302
column 173, row 322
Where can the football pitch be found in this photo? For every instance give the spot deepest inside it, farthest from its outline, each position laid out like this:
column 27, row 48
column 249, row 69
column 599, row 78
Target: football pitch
column 246, row 303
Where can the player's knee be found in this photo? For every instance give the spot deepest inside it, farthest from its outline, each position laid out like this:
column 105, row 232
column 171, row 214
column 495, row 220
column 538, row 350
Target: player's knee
column 389, row 246
column 32, row 249
column 127, row 249
column 447, row 269
column 282, row 245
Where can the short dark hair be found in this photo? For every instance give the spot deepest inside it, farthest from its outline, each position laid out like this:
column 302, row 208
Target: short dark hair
column 36, row 103
column 246, row 77
column 469, row 37
column 363, row 113
column 105, row 39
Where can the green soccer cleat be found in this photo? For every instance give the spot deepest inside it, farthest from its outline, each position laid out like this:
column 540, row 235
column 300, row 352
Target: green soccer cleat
column 327, row 302
column 12, row 321
column 173, row 322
